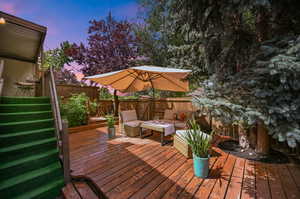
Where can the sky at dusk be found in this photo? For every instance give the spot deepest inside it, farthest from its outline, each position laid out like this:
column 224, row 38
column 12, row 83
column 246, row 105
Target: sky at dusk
column 68, row 19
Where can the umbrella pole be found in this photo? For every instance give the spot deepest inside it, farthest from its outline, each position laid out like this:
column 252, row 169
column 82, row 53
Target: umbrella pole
column 116, row 103
column 153, row 104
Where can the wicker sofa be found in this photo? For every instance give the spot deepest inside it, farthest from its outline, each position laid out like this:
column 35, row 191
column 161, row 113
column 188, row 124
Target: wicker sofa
column 173, row 117
column 182, row 146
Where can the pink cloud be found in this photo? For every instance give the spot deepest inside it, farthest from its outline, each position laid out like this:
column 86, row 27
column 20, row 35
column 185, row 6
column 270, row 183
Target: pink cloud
column 8, row 7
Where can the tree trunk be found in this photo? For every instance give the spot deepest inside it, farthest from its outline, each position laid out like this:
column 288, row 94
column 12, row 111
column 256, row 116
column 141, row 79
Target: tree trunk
column 116, row 103
column 253, row 137
column 263, row 140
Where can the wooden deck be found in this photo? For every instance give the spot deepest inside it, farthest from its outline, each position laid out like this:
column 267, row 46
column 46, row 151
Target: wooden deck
column 134, row 168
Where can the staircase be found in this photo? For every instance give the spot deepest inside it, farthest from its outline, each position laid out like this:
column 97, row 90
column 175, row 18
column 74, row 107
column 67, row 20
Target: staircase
column 29, row 160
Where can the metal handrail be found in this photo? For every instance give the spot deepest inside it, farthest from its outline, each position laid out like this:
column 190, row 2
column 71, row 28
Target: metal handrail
column 55, row 100
column 1, row 79
column 61, row 127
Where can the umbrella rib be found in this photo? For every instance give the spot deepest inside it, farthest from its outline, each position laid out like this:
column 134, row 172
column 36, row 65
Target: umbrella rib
column 137, row 76
column 119, row 79
column 130, row 84
column 155, row 76
column 172, row 81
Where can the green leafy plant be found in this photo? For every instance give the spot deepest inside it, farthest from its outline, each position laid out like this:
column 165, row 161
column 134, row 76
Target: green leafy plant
column 110, row 121
column 198, row 141
column 92, row 107
column 75, row 109
column 104, row 94
column 57, row 57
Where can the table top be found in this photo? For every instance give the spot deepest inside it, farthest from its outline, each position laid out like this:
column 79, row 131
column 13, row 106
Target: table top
column 156, row 125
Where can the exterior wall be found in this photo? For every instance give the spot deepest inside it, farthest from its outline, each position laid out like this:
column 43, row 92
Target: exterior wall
column 16, row 71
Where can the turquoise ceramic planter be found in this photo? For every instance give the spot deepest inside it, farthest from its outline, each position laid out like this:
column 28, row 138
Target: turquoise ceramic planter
column 201, row 166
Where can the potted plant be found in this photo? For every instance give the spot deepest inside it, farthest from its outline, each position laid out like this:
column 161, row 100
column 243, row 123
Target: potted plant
column 111, row 126
column 200, row 144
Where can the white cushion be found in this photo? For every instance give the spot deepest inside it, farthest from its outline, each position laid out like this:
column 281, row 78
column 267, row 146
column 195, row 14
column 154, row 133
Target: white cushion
column 129, row 115
column 135, row 123
column 179, row 124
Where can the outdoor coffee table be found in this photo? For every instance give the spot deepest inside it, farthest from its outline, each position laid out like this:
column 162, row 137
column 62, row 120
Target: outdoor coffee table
column 164, row 128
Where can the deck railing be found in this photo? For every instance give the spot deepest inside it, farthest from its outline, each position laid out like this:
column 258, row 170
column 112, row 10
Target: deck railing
column 61, row 126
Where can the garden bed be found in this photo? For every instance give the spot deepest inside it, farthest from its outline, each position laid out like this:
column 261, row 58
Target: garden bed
column 233, row 147
column 77, row 129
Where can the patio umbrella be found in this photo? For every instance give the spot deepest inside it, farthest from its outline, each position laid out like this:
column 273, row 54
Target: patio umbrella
column 145, row 77
column 142, row 78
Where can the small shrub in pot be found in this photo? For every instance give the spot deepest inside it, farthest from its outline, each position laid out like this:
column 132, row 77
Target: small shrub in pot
column 111, row 126
column 200, row 144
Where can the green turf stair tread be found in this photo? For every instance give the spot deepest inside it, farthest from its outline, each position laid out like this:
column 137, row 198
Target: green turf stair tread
column 23, row 100
column 30, row 166
column 11, row 108
column 50, row 190
column 26, row 145
column 44, row 174
column 13, row 135
column 20, row 126
column 8, row 139
column 28, row 159
column 23, row 113
column 23, row 122
column 24, row 116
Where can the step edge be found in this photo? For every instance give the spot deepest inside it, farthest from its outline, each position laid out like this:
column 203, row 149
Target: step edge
column 24, row 113
column 16, row 134
column 29, row 175
column 28, row 159
column 25, row 122
column 47, row 187
column 27, row 145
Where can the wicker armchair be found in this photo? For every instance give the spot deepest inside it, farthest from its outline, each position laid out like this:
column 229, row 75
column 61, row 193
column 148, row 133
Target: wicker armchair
column 130, row 123
column 174, row 117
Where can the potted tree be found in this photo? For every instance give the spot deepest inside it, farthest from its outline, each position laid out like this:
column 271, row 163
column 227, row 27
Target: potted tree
column 200, row 144
column 111, row 126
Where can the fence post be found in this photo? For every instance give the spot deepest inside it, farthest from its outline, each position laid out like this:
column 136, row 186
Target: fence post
column 263, row 139
column 65, row 151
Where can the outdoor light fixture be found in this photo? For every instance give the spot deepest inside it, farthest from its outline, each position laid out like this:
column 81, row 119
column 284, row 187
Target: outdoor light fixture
column 2, row 21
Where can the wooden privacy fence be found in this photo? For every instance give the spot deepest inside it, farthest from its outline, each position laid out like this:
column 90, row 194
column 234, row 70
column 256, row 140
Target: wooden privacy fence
column 66, row 90
column 144, row 107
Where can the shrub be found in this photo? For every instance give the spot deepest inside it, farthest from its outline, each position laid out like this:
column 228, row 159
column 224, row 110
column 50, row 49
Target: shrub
column 76, row 110
column 92, row 108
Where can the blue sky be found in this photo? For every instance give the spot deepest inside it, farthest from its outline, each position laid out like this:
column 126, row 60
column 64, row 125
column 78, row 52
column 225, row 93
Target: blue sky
column 68, row 19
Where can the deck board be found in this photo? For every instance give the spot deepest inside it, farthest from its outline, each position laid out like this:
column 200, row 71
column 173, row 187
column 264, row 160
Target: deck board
column 142, row 168
column 162, row 188
column 109, row 183
column 141, row 179
column 180, row 185
column 235, row 184
column 276, row 188
column 295, row 171
column 290, row 188
column 262, row 184
column 248, row 187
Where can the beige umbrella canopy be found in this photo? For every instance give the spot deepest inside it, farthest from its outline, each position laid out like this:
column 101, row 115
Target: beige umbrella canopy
column 144, row 77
